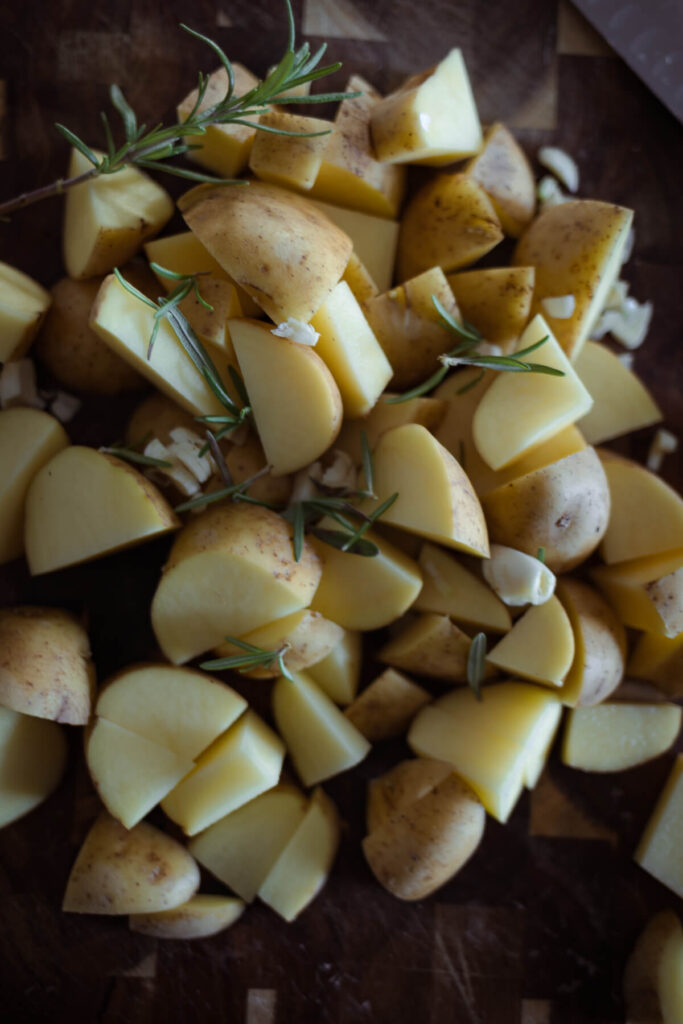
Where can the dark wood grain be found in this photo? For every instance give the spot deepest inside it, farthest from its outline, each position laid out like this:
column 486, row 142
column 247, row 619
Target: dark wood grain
column 536, row 928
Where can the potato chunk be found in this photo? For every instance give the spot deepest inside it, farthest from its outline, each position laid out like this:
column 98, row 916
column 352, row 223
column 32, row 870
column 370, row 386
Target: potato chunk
column 33, row 755
column 600, row 645
column 647, row 593
column 540, row 645
column 374, row 240
column 614, row 737
column 23, row 304
column 223, row 148
column 653, row 978
column 503, row 171
column 659, row 850
column 201, row 916
column 496, row 300
column 338, row 674
column 646, row 514
column 621, row 402
column 659, row 659
column 387, row 706
column 430, row 645
column 451, row 589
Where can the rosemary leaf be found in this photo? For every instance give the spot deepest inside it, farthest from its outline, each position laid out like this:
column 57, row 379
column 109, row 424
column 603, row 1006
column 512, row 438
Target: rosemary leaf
column 130, row 455
column 254, row 657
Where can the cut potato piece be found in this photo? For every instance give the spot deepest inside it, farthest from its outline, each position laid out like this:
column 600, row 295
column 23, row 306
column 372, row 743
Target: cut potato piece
column 431, row 645
column 418, row 848
column 178, row 708
column 83, row 504
column 375, row 240
column 563, row 508
column 45, row 665
column 306, row 637
column 107, row 219
column 242, row 763
column 296, row 402
column 131, row 774
column 659, row 659
column 263, row 237
column 242, row 847
column 339, row 673
column 435, row 498
column 451, row 589
column 223, row 148
column 503, row 171
column 429, row 412
column 653, row 977
column 409, row 328
column 201, row 916
column 521, row 410
column 365, row 593
column 491, row 743
column 351, row 351
column 291, row 160
column 28, row 439
column 405, row 784
column 349, row 173
column 449, row 223
column 659, row 850
column 614, row 737
column 320, row 741
column 387, row 706
column 647, row 514
column 600, row 645
column 621, row 403
column 540, row 645
column 140, row 871
column 647, row 593
column 496, row 300
column 359, row 281
column 231, row 570
column 23, row 304
column 431, row 119
column 585, row 265
column 33, row 756
column 303, row 867
column 184, row 254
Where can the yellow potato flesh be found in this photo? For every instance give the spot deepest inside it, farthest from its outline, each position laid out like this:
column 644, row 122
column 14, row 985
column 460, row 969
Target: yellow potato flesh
column 599, row 645
column 659, row 659
column 614, row 737
column 28, row 439
column 365, row 593
column 435, row 498
column 384, row 416
column 496, row 300
column 83, row 504
column 647, row 593
column 521, row 410
column 303, row 867
column 223, row 148
column 107, row 219
column 306, row 637
column 241, row 764
column 358, row 279
column 349, row 173
column 210, row 325
column 670, row 977
column 242, row 847
column 430, row 645
column 131, row 774
column 320, row 740
column 576, row 248
column 178, row 708
column 338, row 674
column 23, row 304
column 621, row 403
column 646, row 517
column 296, row 402
column 659, row 850
column 351, row 351
column 374, row 240
column 503, row 171
column 33, row 756
column 491, row 743
column 540, row 645
column 387, row 706
column 451, row 589
column 285, row 159
column 201, row 916
column 434, row 122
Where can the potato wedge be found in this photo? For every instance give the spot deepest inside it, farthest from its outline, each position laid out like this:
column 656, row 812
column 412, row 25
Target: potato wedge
column 45, row 664
column 33, row 754
column 338, row 674
column 23, row 305
column 129, row 872
column 496, row 300
column 307, row 638
column 621, row 402
column 200, row 917
column 659, row 849
column 387, row 706
column 503, row 171
column 430, row 645
column 600, row 645
column 646, row 593
column 539, row 647
column 451, row 589
column 614, row 737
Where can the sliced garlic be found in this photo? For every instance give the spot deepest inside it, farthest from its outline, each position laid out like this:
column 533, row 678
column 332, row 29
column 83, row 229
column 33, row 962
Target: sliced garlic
column 18, row 385
column 518, row 578
column 303, row 488
column 64, row 406
column 632, row 323
column 489, row 348
column 626, row 359
column 549, row 193
column 616, row 297
column 340, row 473
column 561, row 165
column 559, row 307
column 296, row 330
column 185, row 448
column 663, row 443
column 176, row 473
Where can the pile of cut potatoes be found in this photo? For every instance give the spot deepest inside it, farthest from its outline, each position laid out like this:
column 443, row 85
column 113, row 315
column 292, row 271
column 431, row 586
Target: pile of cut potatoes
column 510, row 518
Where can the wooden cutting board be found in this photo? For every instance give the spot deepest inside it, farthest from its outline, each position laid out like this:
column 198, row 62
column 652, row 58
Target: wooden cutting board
column 536, row 928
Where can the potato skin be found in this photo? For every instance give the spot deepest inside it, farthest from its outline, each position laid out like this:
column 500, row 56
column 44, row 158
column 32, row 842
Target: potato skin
column 602, row 644
column 563, row 507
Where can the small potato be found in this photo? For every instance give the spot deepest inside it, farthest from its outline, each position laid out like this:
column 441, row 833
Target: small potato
column 45, row 666
column 201, row 916
column 129, row 872
column 420, row 845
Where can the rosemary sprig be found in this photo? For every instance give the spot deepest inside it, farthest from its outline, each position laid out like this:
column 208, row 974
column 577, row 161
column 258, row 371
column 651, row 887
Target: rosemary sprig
column 186, row 284
column 465, row 354
column 254, row 657
column 151, row 148
column 540, row 555
column 235, row 491
column 129, row 454
column 476, row 664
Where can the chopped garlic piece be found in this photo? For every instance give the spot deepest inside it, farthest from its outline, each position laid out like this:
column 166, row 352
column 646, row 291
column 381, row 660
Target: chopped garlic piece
column 488, row 348
column 303, row 488
column 628, row 248
column 18, row 385
column 629, row 325
column 626, row 359
column 296, row 330
column 65, row 407
column 518, row 578
column 559, row 307
column 176, row 473
column 185, row 447
column 561, row 165
column 341, row 473
column 616, row 296
column 663, row 443
column 549, row 192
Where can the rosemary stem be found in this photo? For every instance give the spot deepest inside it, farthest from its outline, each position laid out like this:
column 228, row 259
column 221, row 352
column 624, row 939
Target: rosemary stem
column 56, row 188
